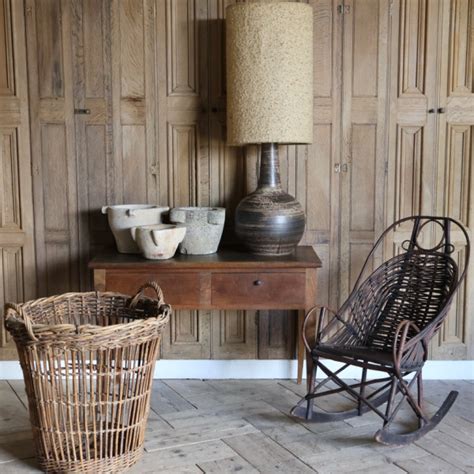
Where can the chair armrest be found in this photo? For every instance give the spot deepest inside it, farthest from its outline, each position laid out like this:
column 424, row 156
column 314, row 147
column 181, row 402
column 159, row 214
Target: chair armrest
column 315, row 323
column 408, row 345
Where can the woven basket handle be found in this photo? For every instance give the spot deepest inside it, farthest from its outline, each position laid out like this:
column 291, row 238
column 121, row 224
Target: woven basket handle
column 26, row 319
column 150, row 284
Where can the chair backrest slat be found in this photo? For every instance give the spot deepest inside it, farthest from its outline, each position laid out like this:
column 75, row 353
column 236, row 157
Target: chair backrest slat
column 416, row 285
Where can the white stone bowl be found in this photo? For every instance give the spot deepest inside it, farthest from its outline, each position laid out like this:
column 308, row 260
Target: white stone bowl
column 159, row 241
column 125, row 216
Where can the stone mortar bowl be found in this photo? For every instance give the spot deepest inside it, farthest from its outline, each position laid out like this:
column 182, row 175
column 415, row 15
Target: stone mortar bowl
column 125, row 216
column 159, row 241
column 204, row 228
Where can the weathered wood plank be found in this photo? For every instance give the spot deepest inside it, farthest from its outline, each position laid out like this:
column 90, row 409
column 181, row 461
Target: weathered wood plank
column 453, row 451
column 233, row 464
column 252, row 436
column 431, row 464
column 166, row 400
column 13, row 415
column 262, row 452
column 182, row 437
column 190, row 454
column 16, row 445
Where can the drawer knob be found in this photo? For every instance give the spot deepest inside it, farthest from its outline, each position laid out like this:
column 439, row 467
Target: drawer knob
column 258, row 282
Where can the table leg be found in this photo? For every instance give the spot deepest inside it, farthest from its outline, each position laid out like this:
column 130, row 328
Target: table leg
column 300, row 345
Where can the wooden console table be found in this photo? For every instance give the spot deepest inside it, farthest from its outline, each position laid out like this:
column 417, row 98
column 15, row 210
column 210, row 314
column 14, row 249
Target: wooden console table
column 229, row 279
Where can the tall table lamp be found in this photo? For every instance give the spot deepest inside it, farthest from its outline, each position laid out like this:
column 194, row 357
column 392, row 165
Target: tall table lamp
column 269, row 101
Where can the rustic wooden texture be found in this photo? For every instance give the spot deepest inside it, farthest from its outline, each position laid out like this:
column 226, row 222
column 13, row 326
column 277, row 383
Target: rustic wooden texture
column 223, row 426
column 17, row 257
column 230, row 279
column 364, row 95
column 430, row 136
column 151, row 73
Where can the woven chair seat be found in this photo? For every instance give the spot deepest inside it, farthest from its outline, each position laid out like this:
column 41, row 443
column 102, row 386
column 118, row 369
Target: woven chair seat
column 353, row 352
column 367, row 354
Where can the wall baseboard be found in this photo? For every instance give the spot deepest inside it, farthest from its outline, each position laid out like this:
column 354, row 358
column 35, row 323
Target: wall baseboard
column 265, row 369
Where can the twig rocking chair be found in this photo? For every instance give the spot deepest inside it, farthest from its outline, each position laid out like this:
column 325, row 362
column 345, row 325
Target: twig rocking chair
column 386, row 325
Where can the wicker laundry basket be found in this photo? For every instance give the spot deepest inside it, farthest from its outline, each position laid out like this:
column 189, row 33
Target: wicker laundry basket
column 88, row 361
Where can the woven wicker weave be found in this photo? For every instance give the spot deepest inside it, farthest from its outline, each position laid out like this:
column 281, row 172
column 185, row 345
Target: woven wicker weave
column 88, row 361
column 386, row 325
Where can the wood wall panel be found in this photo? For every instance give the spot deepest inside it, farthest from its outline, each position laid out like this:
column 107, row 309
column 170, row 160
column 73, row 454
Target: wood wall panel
column 407, row 196
column 234, row 335
column 188, row 336
column 366, row 42
column 131, row 22
column 182, row 38
column 134, row 186
column 49, row 49
column 363, row 189
column 364, row 130
column 91, row 49
column 183, row 164
column 430, row 168
column 276, row 334
column 455, row 162
column 324, row 48
column 461, row 48
column 17, row 257
column 51, row 91
column 312, row 168
column 413, row 38
column 412, row 132
column 183, row 140
column 93, row 21
column 151, row 75
column 54, row 171
column 12, row 289
column 7, row 80
column 10, row 212
column 457, row 176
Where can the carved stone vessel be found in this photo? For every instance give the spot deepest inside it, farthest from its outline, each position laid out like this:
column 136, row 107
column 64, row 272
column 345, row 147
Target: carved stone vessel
column 123, row 217
column 204, row 228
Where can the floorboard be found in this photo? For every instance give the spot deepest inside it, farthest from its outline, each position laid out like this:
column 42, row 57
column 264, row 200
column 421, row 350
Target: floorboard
column 224, row 426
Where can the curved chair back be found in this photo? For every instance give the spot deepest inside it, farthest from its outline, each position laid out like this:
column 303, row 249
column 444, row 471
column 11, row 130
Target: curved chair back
column 416, row 285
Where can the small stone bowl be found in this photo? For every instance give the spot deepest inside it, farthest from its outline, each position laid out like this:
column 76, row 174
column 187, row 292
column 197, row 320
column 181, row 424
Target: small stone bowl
column 158, row 241
column 204, row 228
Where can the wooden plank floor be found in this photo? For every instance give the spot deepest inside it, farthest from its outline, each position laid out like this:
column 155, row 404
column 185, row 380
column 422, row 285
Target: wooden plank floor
column 217, row 426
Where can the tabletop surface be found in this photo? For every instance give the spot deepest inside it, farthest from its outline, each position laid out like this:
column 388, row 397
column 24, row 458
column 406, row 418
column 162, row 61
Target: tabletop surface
column 303, row 257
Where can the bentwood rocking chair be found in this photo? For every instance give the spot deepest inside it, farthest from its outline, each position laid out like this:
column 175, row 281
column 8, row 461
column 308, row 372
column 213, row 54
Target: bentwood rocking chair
column 386, row 325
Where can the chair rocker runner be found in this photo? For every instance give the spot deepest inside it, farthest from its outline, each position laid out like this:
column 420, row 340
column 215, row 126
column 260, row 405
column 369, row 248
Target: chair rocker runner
column 386, row 325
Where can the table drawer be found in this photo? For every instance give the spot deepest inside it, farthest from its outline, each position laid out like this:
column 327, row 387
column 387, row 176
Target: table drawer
column 259, row 290
column 177, row 287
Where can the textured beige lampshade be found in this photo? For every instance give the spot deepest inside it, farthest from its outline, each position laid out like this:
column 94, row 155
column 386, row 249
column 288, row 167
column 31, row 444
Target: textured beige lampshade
column 269, row 49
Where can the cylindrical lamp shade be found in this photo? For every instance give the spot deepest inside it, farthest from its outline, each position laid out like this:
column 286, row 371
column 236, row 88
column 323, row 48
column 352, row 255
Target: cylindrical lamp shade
column 269, row 49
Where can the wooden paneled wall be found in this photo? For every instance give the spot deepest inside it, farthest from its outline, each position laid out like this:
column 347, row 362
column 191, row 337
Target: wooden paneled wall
column 17, row 259
column 127, row 104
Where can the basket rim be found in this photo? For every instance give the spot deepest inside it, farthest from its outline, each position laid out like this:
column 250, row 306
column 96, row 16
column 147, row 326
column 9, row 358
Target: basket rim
column 14, row 318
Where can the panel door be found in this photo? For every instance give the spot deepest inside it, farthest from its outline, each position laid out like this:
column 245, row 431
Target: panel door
column 311, row 170
column 17, row 267
column 413, row 115
column 413, row 106
column 95, row 157
column 455, row 156
column 50, row 75
column 183, row 141
column 364, row 112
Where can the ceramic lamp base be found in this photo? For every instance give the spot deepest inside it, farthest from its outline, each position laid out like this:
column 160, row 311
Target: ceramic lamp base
column 269, row 221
